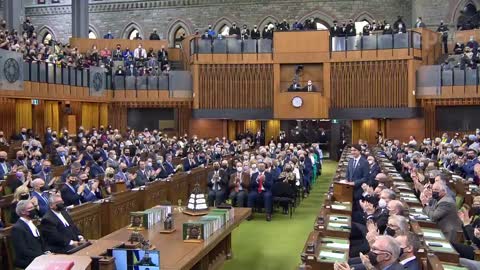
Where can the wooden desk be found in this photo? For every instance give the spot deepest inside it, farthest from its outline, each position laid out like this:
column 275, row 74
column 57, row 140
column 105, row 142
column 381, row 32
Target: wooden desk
column 41, row 262
column 174, row 253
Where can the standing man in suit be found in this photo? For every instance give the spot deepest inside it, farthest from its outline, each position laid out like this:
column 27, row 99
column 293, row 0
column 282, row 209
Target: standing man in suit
column 441, row 209
column 4, row 166
column 112, row 160
column 310, row 87
column 189, row 163
column 374, row 169
column 334, row 30
column 239, row 182
column 357, row 170
column 60, row 159
column 419, row 23
column 96, row 168
column 38, row 192
column 26, row 239
column 443, row 29
column 72, row 193
column 142, row 175
column 20, row 160
column 58, row 229
column 217, row 185
column 409, row 243
column 169, row 168
column 260, row 186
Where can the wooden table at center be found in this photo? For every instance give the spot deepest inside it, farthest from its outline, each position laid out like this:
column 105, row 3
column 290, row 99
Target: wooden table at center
column 174, row 253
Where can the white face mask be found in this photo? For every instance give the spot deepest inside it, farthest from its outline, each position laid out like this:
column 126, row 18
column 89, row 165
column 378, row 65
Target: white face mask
column 382, row 203
column 370, row 162
column 239, row 169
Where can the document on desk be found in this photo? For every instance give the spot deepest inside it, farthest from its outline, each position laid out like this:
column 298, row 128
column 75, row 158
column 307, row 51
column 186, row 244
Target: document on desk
column 434, row 235
column 330, row 254
column 339, row 207
column 338, row 245
column 336, row 225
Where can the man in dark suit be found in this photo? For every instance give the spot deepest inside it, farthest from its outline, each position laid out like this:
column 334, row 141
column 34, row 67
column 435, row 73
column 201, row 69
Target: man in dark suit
column 72, row 193
column 189, row 163
column 306, row 170
column 26, row 239
column 20, row 160
column 169, row 168
column 217, row 185
column 38, row 192
column 60, row 159
column 96, row 168
column 310, row 87
column 374, row 169
column 409, row 244
column 238, row 184
column 142, row 175
column 22, row 136
column 4, row 166
column 58, row 228
column 334, row 30
column 260, row 186
column 357, row 170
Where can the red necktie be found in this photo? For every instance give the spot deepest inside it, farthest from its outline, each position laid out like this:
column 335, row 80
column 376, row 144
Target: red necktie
column 260, row 183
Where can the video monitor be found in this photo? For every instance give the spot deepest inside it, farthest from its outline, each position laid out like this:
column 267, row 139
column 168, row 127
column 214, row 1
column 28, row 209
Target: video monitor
column 136, row 259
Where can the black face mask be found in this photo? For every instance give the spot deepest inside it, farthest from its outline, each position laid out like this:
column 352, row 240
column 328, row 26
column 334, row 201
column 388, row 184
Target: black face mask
column 24, row 197
column 124, row 170
column 401, row 253
column 475, row 211
column 372, row 257
column 390, row 231
column 436, row 195
column 216, row 168
column 33, row 213
column 21, row 158
column 44, row 188
column 74, row 183
column 2, row 160
column 60, row 207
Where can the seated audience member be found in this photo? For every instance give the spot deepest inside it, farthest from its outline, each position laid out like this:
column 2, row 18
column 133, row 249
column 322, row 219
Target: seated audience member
column 441, row 209
column 409, row 244
column 217, row 185
column 459, row 48
column 92, row 191
column 260, row 188
column 4, row 165
column 142, row 174
column 72, row 191
column 384, row 254
column 310, row 87
column 39, row 192
column 140, row 53
column 26, row 239
column 58, row 229
column 471, row 227
column 154, row 35
column 189, row 163
column 22, row 193
column 117, row 54
column 238, row 184
column 60, row 159
column 131, row 71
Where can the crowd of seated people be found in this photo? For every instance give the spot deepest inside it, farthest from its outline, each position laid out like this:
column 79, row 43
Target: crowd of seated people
column 134, row 62
column 467, row 56
column 95, row 159
column 380, row 227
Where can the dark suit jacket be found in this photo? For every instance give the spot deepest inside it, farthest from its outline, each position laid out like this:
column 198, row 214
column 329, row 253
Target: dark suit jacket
column 372, row 173
column 222, row 182
column 19, row 163
column 412, row 265
column 169, row 169
column 2, row 172
column 42, row 203
column 267, row 184
column 245, row 181
column 396, row 266
column 358, row 174
column 26, row 246
column 141, row 178
column 186, row 165
column 69, row 196
column 314, row 88
column 56, row 235
column 96, row 170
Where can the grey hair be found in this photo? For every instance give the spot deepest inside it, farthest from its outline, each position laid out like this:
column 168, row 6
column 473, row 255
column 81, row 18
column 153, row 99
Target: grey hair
column 402, row 223
column 442, row 186
column 36, row 182
column 51, row 199
column 391, row 194
column 392, row 246
column 21, row 206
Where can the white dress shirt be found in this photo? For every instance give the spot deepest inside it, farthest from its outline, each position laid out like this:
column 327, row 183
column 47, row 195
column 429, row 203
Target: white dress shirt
column 31, row 226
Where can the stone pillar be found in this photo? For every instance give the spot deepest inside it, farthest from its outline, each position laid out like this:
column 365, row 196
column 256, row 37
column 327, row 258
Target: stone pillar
column 80, row 19
column 14, row 14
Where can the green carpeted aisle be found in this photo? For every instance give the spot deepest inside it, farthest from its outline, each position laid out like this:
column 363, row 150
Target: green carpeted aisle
column 276, row 245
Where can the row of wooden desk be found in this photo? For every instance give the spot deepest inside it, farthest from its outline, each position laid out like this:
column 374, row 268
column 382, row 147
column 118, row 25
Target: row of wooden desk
column 329, row 242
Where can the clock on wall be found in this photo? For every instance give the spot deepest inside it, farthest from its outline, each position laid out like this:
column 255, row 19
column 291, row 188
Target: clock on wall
column 297, row 102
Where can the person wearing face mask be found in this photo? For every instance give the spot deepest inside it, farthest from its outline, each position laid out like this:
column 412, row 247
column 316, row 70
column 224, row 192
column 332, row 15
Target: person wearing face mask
column 397, row 225
column 409, row 243
column 26, row 239
column 112, row 160
column 239, row 183
column 441, row 209
column 58, row 229
column 374, row 169
column 72, row 191
column 20, row 160
column 96, row 168
column 470, row 217
column 168, row 165
column 39, row 192
column 217, row 185
column 260, row 187
column 470, row 162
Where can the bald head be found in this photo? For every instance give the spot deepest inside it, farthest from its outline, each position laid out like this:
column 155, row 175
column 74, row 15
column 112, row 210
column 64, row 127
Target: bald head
column 395, row 207
column 381, row 177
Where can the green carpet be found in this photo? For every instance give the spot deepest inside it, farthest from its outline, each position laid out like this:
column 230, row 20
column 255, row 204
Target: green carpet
column 274, row 245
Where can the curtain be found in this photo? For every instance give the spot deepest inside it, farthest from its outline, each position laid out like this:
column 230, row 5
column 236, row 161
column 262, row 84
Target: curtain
column 104, row 114
column 272, row 129
column 90, row 115
column 23, row 114
column 52, row 116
